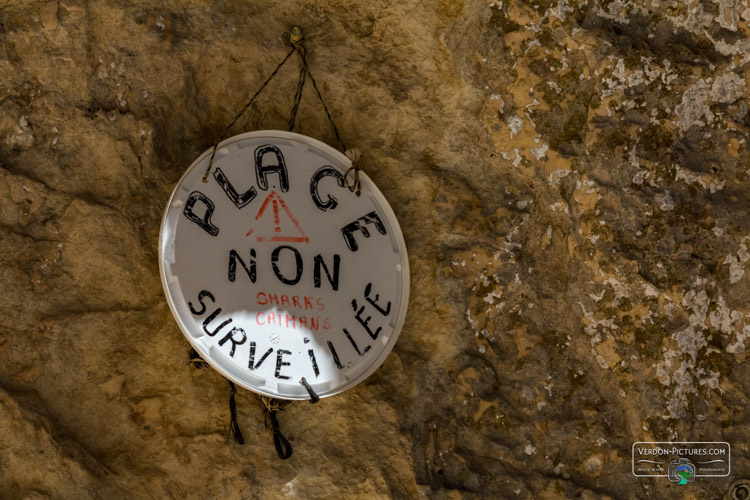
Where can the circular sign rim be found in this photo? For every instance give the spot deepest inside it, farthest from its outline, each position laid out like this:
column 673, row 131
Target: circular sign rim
column 380, row 201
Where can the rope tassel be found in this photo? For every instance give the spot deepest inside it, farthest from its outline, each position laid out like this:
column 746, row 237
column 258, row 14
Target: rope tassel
column 234, row 428
column 272, row 407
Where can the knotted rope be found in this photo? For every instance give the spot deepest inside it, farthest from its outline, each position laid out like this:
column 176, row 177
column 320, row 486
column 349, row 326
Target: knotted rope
column 272, row 407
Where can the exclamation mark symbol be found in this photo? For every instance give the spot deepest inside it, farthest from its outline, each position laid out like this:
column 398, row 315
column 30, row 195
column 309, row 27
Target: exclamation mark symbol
column 276, row 215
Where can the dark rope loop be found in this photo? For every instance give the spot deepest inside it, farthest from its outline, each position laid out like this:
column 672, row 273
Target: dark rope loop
column 272, row 407
column 314, row 398
column 234, row 428
column 283, row 447
column 249, row 103
column 355, row 186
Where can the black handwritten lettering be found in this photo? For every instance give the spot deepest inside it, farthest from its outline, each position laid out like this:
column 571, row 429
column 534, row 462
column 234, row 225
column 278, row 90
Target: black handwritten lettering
column 252, row 357
column 231, row 338
column 365, row 322
column 208, row 321
column 240, row 200
column 279, row 363
column 361, row 225
column 314, row 362
column 234, row 257
column 277, row 271
column 261, row 170
column 354, row 344
column 201, row 295
column 374, row 302
column 334, row 281
column 322, row 172
column 205, row 221
column 335, row 355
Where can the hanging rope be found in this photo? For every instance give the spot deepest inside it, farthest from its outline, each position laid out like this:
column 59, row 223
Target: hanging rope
column 295, row 37
column 234, row 428
column 325, row 108
column 198, row 362
column 300, row 86
column 238, row 115
column 272, row 407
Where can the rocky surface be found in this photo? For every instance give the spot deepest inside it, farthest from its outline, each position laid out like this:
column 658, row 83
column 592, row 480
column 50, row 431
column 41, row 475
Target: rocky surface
column 572, row 181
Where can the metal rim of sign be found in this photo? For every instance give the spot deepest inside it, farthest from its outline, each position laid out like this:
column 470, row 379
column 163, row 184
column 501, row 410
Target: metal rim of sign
column 178, row 303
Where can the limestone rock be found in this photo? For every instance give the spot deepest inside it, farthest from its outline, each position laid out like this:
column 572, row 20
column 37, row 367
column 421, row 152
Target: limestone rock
column 572, row 181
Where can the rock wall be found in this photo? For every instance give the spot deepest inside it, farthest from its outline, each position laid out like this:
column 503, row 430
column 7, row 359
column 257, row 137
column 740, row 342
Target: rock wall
column 572, row 182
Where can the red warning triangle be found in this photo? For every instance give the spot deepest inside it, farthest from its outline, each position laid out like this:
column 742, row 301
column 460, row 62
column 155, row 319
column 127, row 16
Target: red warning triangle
column 277, row 202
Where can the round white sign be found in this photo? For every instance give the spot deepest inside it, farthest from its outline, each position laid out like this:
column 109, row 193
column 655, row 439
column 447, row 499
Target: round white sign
column 275, row 270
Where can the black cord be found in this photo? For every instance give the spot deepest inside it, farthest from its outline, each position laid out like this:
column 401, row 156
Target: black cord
column 249, row 103
column 355, row 186
column 234, row 428
column 283, row 447
column 303, row 72
column 295, row 39
column 325, row 108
